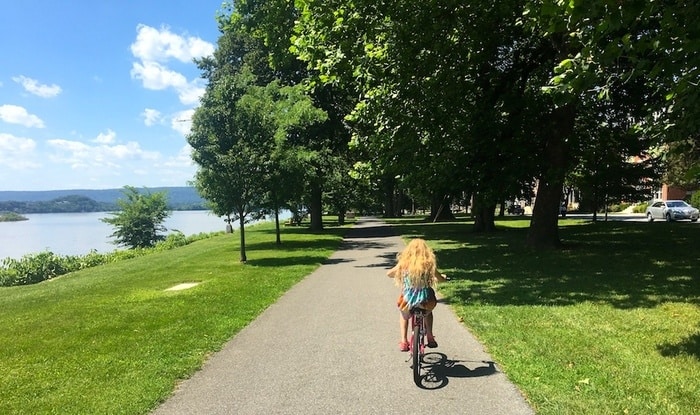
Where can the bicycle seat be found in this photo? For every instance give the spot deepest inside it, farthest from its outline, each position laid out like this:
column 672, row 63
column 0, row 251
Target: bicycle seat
column 419, row 311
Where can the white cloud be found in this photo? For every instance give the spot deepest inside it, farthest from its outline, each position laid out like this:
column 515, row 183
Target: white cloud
column 151, row 117
column 182, row 121
column 33, row 86
column 159, row 45
column 154, row 48
column 105, row 138
column 153, row 75
column 191, row 93
column 14, row 114
column 182, row 159
column 17, row 152
column 101, row 156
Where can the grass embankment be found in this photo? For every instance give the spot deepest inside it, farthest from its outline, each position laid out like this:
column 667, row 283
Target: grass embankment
column 111, row 339
column 608, row 325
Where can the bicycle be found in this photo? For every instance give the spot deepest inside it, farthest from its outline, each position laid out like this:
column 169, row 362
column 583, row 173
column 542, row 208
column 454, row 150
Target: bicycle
column 417, row 343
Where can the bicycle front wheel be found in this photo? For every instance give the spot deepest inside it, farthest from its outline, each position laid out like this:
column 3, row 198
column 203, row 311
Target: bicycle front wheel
column 415, row 350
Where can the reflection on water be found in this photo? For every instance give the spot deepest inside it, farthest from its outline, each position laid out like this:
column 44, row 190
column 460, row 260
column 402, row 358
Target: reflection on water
column 78, row 233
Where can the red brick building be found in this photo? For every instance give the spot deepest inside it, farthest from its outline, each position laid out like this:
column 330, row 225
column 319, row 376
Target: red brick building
column 673, row 192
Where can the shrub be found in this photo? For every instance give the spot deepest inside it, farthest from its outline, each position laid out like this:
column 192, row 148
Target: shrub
column 33, row 268
column 641, row 208
column 695, row 199
column 618, row 207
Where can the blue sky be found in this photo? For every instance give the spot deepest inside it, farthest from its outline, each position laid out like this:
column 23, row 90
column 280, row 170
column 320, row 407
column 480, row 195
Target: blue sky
column 98, row 94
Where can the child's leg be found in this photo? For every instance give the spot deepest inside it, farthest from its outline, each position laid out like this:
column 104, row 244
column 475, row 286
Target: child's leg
column 429, row 331
column 429, row 325
column 403, row 326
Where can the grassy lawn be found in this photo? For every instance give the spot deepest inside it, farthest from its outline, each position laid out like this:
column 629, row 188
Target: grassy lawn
column 608, row 325
column 112, row 340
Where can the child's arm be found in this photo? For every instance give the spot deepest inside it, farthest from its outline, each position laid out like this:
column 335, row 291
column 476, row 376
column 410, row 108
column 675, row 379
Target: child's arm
column 392, row 272
column 440, row 277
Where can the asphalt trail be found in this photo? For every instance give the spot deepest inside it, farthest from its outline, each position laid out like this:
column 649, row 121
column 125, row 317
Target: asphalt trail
column 330, row 346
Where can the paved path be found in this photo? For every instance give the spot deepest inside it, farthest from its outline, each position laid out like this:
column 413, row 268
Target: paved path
column 330, row 346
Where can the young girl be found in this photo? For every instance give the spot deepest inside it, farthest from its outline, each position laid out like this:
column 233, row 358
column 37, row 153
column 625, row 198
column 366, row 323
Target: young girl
column 416, row 273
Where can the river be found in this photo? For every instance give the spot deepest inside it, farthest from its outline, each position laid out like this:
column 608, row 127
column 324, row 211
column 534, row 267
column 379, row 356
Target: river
column 79, row 233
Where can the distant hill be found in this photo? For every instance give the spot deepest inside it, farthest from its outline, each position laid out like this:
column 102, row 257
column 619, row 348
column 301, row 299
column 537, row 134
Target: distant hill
column 179, row 198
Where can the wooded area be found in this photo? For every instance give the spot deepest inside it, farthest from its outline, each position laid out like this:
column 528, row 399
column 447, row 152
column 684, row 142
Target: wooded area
column 384, row 106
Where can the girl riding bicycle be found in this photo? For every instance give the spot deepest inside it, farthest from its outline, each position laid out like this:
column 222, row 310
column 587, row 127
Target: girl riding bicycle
column 416, row 273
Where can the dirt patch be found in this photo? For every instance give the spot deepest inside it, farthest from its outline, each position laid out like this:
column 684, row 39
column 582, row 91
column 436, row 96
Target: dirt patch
column 183, row 286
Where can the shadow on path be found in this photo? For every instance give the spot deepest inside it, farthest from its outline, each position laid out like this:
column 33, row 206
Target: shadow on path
column 439, row 369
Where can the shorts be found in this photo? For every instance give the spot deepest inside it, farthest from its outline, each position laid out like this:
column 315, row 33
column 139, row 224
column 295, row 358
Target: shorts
column 428, row 304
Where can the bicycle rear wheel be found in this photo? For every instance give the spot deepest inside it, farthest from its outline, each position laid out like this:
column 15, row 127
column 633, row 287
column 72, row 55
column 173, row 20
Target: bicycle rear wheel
column 416, row 351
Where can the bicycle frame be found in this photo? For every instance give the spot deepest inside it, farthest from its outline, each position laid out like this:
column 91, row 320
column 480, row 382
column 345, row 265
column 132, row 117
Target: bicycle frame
column 417, row 343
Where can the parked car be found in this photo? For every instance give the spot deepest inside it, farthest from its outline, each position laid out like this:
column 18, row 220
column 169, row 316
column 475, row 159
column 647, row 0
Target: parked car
column 671, row 210
column 516, row 209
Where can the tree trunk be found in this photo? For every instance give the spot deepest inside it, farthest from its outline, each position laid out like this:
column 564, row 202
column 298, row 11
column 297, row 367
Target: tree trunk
column 440, row 209
column 278, row 232
column 316, row 207
column 389, row 205
column 484, row 212
column 544, row 226
column 241, row 221
column 341, row 217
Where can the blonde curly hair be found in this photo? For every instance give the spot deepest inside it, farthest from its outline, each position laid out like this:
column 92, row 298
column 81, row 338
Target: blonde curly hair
column 417, row 262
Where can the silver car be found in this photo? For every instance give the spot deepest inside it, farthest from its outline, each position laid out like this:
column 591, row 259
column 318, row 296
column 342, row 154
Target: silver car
column 671, row 210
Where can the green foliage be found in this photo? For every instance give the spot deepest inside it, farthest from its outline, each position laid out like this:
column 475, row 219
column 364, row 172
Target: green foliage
column 31, row 269
column 695, row 199
column 11, row 217
column 641, row 207
column 139, row 223
column 618, row 207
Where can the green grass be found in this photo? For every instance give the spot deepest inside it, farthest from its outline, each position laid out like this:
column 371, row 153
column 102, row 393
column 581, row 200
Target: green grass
column 608, row 325
column 110, row 339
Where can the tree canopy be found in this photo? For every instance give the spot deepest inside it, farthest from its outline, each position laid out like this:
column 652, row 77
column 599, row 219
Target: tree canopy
column 449, row 101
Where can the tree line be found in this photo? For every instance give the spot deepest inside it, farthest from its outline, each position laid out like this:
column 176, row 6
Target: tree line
column 81, row 204
column 332, row 105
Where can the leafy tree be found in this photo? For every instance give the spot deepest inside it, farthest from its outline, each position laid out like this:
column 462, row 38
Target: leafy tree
column 139, row 222
column 242, row 131
column 231, row 145
column 271, row 23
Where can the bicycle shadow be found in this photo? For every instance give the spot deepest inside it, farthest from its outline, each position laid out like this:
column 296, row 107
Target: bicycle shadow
column 439, row 369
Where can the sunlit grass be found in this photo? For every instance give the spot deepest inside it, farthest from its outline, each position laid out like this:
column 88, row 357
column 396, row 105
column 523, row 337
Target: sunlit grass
column 112, row 340
column 609, row 324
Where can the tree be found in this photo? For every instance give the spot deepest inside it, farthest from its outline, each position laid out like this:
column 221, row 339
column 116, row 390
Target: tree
column 231, row 144
column 272, row 23
column 241, row 132
column 139, row 222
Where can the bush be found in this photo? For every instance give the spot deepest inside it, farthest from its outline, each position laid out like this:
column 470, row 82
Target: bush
column 33, row 268
column 695, row 199
column 618, row 207
column 641, row 208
